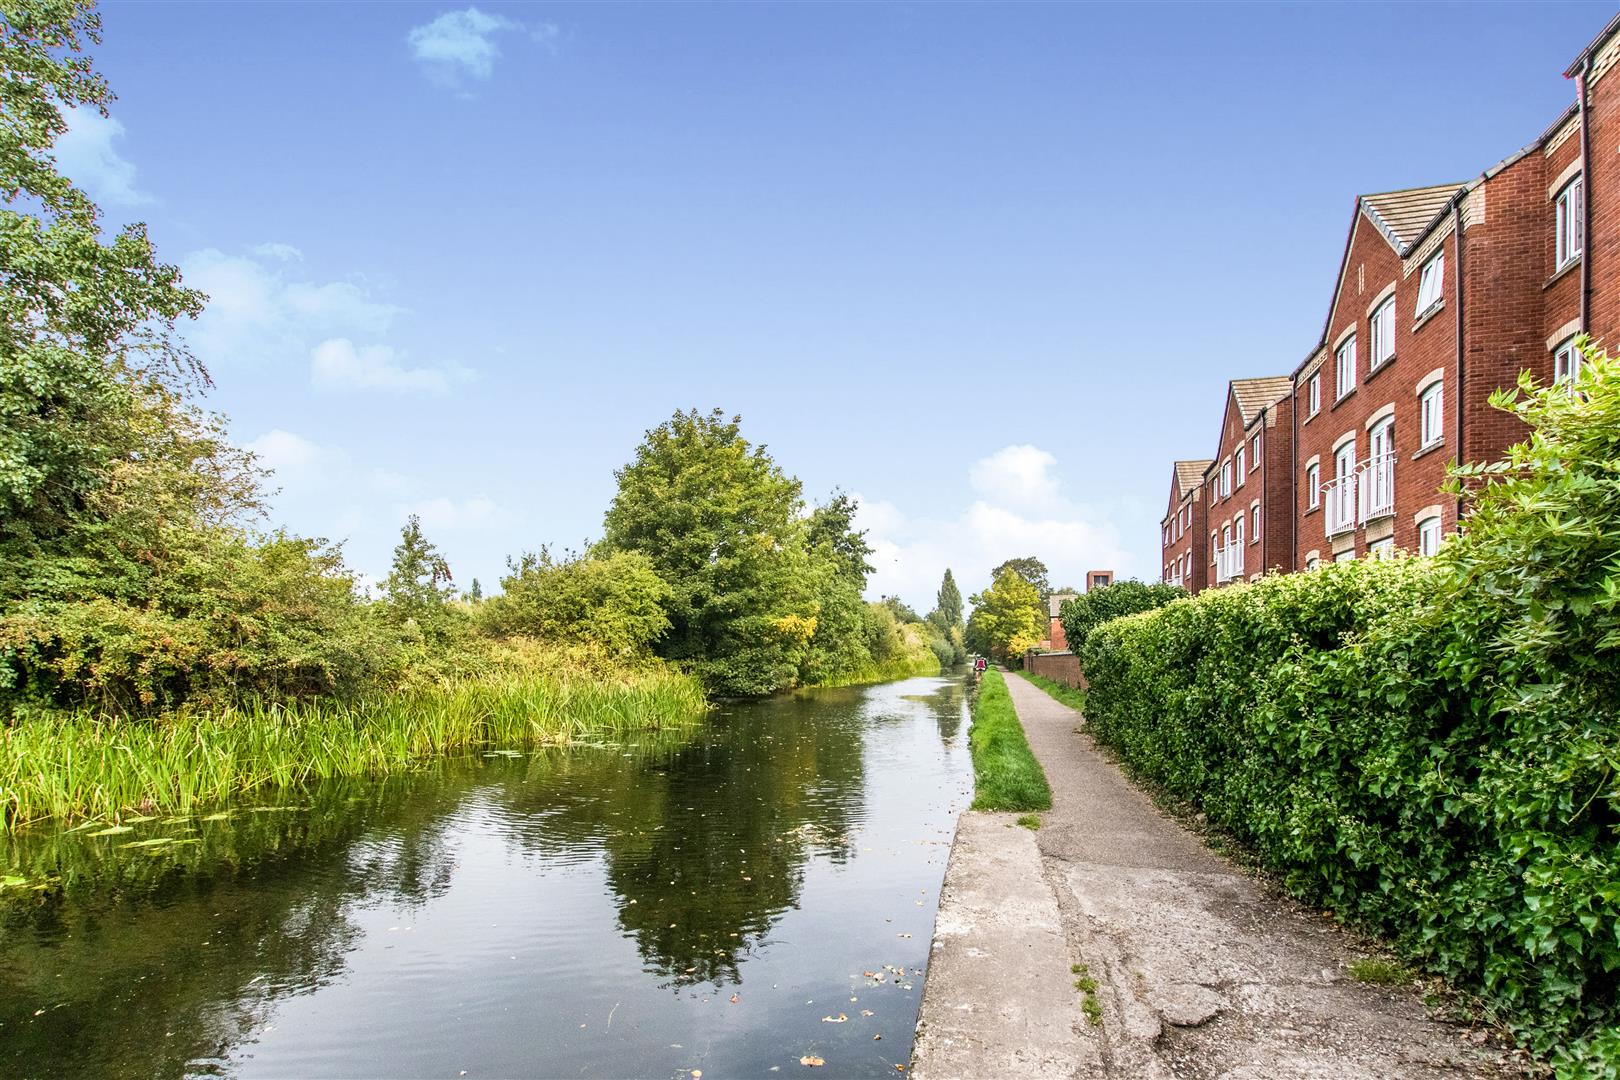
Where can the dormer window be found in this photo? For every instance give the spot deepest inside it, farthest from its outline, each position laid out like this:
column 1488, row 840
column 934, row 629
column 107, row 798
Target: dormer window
column 1571, row 224
column 1431, row 284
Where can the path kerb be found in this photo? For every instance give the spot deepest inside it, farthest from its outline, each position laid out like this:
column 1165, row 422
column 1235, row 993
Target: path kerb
column 1201, row 970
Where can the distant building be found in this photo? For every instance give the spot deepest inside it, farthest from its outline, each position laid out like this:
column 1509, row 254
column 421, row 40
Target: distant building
column 1096, row 579
column 1056, row 641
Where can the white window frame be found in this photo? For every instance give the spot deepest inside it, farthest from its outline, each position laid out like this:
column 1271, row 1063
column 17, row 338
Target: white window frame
column 1567, row 360
column 1254, row 526
column 1312, row 563
column 1237, row 531
column 1254, row 452
column 1344, row 369
column 1569, row 236
column 1428, row 535
column 1238, row 460
column 1381, row 327
column 1432, row 414
column 1344, row 460
column 1348, row 555
column 1382, row 549
column 1313, row 394
column 1226, row 478
column 1431, row 284
column 1214, row 547
column 1313, row 486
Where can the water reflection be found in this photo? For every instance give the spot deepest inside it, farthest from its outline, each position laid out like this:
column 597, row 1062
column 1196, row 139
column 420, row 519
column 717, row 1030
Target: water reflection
column 472, row 916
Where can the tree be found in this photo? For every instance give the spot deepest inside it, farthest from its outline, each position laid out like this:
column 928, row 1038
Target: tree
column 723, row 525
column 418, row 584
column 612, row 600
column 476, row 592
column 1007, row 617
column 1031, row 570
column 948, row 602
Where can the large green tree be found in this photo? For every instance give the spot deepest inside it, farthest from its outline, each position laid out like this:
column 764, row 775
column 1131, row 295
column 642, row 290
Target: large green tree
column 1031, row 570
column 723, row 525
column 1007, row 617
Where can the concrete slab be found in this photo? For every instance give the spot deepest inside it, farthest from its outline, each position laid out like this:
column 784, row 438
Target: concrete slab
column 1000, row 999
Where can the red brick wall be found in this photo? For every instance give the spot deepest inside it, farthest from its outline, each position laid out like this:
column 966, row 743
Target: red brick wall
column 1192, row 539
column 1265, row 481
column 1063, row 667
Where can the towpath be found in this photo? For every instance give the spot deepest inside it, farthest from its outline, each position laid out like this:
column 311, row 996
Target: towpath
column 1199, row 970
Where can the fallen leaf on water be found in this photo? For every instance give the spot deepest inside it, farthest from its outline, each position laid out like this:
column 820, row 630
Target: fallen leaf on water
column 839, row 1019
column 899, row 1068
column 697, row 1074
column 870, row 974
column 866, row 1012
column 734, row 999
column 811, row 1061
column 902, row 935
column 875, row 1038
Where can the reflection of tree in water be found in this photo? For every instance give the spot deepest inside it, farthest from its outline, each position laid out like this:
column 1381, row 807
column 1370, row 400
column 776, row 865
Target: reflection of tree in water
column 143, row 962
column 720, row 834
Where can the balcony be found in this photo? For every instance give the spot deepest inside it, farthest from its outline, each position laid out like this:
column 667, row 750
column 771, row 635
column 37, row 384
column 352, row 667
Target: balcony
column 1377, row 487
column 1228, row 562
column 1339, row 504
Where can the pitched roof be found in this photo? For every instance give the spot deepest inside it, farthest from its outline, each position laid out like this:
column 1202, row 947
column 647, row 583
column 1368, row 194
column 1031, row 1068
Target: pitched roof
column 1402, row 216
column 1189, row 474
column 1255, row 394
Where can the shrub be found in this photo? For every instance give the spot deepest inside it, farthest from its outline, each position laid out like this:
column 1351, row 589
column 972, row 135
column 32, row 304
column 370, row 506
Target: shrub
column 1083, row 613
column 1428, row 746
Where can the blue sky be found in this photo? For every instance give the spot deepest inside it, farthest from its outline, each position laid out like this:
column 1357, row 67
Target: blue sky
column 987, row 267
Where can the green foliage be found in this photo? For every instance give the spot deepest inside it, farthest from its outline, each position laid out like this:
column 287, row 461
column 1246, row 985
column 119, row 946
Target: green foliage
column 948, row 601
column 1007, row 617
column 1030, row 569
column 1085, row 612
column 613, row 601
column 1007, row 776
column 1428, row 746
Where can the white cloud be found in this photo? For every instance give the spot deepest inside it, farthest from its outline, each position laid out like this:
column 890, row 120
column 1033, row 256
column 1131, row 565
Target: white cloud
column 258, row 313
column 286, row 452
column 339, row 363
column 459, row 44
column 283, row 252
column 1021, row 509
column 85, row 153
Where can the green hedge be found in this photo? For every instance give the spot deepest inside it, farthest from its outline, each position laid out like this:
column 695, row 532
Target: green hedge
column 1430, row 747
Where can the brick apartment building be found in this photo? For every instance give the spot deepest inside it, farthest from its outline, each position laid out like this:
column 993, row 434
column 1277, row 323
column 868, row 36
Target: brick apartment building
column 1186, row 555
column 1250, row 517
column 1443, row 294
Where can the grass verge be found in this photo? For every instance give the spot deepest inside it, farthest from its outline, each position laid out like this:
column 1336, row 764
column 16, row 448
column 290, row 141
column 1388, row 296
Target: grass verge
column 1072, row 696
column 1007, row 776
column 84, row 765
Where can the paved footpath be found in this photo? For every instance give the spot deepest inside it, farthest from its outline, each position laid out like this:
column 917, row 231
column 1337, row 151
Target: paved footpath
column 1201, row 971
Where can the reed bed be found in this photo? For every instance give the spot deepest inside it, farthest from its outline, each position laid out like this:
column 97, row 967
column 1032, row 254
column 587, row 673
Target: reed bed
column 83, row 765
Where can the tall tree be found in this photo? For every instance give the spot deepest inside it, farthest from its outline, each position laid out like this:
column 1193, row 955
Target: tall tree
column 418, row 583
column 948, row 602
column 1031, row 570
column 723, row 525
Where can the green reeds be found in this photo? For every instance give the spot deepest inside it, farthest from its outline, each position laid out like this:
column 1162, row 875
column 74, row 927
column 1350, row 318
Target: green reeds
column 83, row 765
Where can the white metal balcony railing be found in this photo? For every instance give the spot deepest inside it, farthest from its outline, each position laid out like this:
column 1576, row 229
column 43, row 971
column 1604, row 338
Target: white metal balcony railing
column 1228, row 562
column 1377, row 487
column 1339, row 499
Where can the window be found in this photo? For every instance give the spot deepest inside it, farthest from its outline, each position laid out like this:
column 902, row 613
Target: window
column 1237, row 531
column 1567, row 362
column 1254, row 524
column 1312, row 563
column 1344, row 368
column 1432, row 414
column 1571, row 224
column 1226, row 478
column 1214, row 546
column 1313, row 394
column 1254, row 452
column 1428, row 536
column 1383, row 334
column 1382, row 549
column 1345, row 556
column 1226, row 535
column 1431, row 285
column 1381, row 439
column 1313, row 486
column 1240, row 469
column 1344, row 460
column 1186, row 562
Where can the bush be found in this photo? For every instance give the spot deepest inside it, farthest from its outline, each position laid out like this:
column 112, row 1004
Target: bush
column 614, row 601
column 1087, row 611
column 1427, row 746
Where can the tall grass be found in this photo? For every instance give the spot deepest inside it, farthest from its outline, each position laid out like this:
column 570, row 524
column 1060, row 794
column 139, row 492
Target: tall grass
column 901, row 667
column 1006, row 774
column 80, row 764
column 1072, row 696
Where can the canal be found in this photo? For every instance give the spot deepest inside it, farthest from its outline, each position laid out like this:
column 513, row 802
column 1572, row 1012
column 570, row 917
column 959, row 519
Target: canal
column 728, row 902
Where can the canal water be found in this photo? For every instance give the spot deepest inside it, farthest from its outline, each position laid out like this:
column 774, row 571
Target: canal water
column 727, row 901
